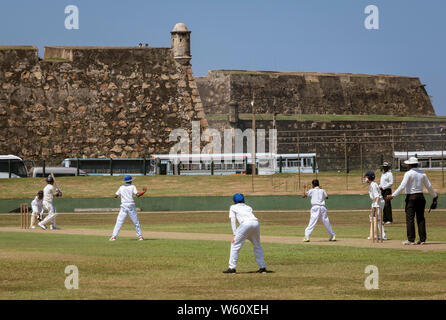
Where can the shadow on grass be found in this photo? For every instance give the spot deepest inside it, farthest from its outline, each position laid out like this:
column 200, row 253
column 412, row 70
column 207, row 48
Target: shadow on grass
column 254, row 272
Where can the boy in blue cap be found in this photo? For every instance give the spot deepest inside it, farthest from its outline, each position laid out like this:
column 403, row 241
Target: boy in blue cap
column 378, row 203
column 248, row 228
column 126, row 193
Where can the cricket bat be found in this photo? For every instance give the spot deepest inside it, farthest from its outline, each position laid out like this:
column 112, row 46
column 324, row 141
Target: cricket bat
column 54, row 178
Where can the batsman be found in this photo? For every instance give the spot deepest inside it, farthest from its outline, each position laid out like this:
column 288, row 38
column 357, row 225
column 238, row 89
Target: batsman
column 376, row 224
column 48, row 193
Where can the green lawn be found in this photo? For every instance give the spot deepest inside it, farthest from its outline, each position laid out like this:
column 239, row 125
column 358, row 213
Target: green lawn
column 187, row 185
column 352, row 224
column 33, row 264
column 33, row 268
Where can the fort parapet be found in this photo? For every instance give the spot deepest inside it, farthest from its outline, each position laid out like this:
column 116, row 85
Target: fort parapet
column 294, row 93
column 95, row 101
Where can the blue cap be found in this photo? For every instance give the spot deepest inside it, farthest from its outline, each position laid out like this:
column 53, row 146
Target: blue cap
column 127, row 178
column 238, row 198
column 370, row 174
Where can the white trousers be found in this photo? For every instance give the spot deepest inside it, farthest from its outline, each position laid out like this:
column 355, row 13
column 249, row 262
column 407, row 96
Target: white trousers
column 130, row 210
column 51, row 217
column 318, row 213
column 36, row 210
column 247, row 230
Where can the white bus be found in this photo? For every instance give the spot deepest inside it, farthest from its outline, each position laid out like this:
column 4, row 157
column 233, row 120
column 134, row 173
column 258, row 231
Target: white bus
column 237, row 163
column 12, row 166
column 428, row 160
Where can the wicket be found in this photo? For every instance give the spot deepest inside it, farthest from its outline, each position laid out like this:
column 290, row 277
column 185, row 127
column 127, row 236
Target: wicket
column 376, row 225
column 24, row 216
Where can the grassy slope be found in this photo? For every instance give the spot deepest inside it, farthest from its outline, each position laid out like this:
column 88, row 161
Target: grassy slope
column 91, row 187
column 188, row 269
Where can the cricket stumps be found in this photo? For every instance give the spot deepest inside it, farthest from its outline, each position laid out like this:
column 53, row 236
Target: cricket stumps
column 376, row 225
column 24, row 216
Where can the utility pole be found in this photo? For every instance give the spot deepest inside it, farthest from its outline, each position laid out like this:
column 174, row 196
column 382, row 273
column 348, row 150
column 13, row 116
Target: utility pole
column 442, row 158
column 345, row 159
column 273, row 160
column 253, row 142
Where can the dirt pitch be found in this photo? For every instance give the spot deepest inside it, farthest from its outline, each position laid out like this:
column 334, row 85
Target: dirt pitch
column 362, row 243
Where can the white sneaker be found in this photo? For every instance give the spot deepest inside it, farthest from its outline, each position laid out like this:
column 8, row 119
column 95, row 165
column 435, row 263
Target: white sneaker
column 33, row 227
column 112, row 238
column 333, row 238
column 306, row 239
column 140, row 238
column 41, row 225
column 54, row 228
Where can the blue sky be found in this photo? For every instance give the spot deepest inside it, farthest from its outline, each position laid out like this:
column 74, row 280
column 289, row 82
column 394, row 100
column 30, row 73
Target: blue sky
column 284, row 35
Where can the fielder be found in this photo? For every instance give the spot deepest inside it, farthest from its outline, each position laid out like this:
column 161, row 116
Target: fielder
column 249, row 228
column 37, row 207
column 377, row 202
column 48, row 193
column 126, row 193
column 318, row 210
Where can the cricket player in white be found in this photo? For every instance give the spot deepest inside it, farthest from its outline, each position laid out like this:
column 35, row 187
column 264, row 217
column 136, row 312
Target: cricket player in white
column 126, row 192
column 377, row 201
column 318, row 210
column 48, row 193
column 249, row 228
column 37, row 207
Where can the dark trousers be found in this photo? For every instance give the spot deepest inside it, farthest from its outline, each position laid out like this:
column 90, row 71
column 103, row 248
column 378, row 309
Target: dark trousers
column 415, row 204
column 387, row 212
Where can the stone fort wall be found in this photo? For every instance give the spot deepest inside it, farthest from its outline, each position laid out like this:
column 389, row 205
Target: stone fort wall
column 291, row 93
column 93, row 101
column 365, row 143
column 123, row 102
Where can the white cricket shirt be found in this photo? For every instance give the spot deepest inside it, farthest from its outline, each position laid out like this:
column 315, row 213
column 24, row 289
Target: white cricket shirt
column 386, row 181
column 242, row 213
column 318, row 196
column 37, row 202
column 48, row 192
column 413, row 182
column 126, row 192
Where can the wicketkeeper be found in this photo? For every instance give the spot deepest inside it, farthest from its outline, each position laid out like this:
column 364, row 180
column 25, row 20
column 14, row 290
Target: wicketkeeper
column 37, row 207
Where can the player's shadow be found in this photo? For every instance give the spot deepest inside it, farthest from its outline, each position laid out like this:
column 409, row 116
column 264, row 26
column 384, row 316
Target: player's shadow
column 252, row 272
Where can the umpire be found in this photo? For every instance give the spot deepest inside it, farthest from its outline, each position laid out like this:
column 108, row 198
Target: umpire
column 413, row 182
column 385, row 184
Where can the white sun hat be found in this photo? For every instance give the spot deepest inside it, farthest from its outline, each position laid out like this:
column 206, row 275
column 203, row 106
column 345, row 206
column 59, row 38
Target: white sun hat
column 412, row 160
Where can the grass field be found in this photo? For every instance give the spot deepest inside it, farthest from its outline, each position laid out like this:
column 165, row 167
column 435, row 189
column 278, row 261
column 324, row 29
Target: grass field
column 33, row 262
column 279, row 184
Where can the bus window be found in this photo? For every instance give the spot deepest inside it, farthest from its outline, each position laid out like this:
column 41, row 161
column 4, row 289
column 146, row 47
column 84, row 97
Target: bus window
column 292, row 163
column 18, row 168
